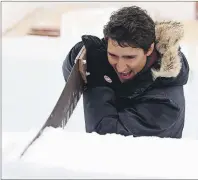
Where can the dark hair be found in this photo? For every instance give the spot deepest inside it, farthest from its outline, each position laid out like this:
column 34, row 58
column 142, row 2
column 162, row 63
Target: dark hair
column 131, row 26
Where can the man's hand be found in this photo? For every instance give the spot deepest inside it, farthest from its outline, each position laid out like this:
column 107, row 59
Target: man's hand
column 83, row 65
column 93, row 61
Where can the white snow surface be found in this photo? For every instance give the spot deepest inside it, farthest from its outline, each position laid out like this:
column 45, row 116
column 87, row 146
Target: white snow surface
column 32, row 82
column 110, row 155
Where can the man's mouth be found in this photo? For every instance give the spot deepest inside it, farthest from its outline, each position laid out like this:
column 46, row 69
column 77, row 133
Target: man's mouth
column 126, row 75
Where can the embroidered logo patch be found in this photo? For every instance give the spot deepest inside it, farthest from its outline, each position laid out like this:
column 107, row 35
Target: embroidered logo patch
column 108, row 79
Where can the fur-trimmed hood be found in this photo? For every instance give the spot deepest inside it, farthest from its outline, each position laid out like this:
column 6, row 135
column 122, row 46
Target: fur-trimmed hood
column 168, row 37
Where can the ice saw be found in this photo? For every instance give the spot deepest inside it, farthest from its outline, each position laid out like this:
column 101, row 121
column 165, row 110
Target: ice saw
column 66, row 102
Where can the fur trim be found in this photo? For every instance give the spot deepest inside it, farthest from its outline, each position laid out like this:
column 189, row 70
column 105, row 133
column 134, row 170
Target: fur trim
column 168, row 36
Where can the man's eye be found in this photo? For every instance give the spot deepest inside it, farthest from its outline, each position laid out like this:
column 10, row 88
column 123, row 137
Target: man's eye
column 112, row 55
column 130, row 57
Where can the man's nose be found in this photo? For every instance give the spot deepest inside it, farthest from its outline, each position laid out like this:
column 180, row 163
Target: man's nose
column 121, row 66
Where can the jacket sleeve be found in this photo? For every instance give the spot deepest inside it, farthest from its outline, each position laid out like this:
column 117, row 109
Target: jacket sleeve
column 68, row 63
column 152, row 117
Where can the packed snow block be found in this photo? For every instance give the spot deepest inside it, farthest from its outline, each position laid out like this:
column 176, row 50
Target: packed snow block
column 88, row 21
column 33, row 71
column 86, row 155
column 22, row 170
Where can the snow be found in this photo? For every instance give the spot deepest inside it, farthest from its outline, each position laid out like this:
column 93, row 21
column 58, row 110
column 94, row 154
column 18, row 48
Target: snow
column 72, row 154
column 83, row 26
column 32, row 82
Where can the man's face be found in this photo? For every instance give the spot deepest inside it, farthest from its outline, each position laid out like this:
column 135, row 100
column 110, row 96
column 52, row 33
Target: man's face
column 126, row 61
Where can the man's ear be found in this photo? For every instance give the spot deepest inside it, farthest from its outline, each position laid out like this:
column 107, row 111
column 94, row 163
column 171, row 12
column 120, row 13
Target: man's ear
column 150, row 50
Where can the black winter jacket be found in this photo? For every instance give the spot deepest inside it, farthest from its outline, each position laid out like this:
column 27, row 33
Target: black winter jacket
column 151, row 104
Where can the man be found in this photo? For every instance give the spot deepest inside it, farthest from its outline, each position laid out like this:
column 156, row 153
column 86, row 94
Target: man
column 135, row 76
